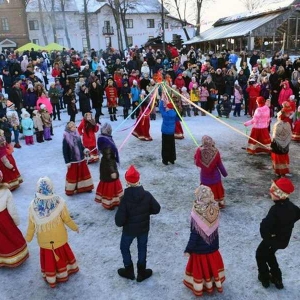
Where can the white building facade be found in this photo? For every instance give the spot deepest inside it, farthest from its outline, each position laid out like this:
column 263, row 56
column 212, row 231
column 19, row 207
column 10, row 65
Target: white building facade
column 142, row 21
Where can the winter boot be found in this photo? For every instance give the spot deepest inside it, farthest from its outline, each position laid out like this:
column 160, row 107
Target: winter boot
column 111, row 118
column 143, row 273
column 115, row 118
column 276, row 278
column 17, row 145
column 264, row 279
column 127, row 272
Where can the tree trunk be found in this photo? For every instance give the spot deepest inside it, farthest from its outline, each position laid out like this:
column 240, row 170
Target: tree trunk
column 86, row 24
column 53, row 22
column 42, row 23
column 198, row 19
column 62, row 4
column 123, row 17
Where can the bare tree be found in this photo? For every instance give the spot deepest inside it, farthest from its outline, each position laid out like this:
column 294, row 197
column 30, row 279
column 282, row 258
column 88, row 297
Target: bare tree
column 42, row 22
column 86, row 23
column 53, row 21
column 180, row 8
column 251, row 5
column 62, row 6
column 199, row 5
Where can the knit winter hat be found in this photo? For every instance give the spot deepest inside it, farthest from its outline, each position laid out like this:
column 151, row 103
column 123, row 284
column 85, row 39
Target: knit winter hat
column 30, row 86
column 170, row 105
column 9, row 104
column 106, row 129
column 44, row 186
column 42, row 106
column 282, row 188
column 132, row 176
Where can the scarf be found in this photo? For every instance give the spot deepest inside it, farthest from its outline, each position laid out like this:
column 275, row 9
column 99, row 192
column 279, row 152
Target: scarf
column 206, row 153
column 282, row 133
column 106, row 141
column 72, row 139
column 205, row 214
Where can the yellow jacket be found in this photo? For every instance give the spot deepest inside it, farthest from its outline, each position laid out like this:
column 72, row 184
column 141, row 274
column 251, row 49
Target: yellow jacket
column 195, row 97
column 56, row 234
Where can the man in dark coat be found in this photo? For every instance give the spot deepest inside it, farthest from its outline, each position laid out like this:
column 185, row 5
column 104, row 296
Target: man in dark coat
column 16, row 96
column 134, row 216
column 276, row 229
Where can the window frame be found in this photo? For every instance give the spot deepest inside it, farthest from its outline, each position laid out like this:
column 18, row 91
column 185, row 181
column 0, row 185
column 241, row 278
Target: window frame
column 129, row 22
column 34, row 23
column 150, row 23
column 4, row 24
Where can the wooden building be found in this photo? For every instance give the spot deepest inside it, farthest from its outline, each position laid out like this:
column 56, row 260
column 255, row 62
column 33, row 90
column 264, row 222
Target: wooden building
column 13, row 24
column 268, row 30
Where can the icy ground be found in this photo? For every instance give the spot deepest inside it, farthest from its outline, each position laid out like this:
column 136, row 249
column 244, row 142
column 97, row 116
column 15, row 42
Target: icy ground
column 97, row 246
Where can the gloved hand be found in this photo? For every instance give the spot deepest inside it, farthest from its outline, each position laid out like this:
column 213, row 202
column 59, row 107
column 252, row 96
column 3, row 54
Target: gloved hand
column 86, row 151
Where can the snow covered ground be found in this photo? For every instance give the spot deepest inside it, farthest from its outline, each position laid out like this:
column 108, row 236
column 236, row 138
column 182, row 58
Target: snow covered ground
column 97, row 245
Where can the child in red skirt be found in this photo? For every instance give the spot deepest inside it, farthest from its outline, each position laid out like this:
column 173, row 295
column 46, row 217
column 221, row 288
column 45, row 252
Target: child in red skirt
column 78, row 177
column 11, row 174
column 48, row 215
column 13, row 247
column 109, row 190
column 205, row 268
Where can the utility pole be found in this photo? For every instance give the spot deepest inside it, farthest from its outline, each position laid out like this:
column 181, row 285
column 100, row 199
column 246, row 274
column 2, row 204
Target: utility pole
column 163, row 26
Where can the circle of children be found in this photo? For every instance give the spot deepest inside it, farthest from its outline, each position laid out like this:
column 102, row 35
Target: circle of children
column 181, row 82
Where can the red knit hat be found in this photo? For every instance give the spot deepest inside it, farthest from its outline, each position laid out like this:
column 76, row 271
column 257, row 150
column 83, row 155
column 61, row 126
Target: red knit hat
column 282, row 188
column 260, row 101
column 132, row 176
column 170, row 105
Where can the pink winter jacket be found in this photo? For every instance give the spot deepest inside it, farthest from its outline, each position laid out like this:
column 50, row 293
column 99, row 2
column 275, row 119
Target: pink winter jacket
column 237, row 96
column 285, row 93
column 261, row 118
column 46, row 101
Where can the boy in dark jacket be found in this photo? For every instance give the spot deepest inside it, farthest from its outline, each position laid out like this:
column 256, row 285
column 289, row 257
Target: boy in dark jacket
column 134, row 216
column 224, row 108
column 276, row 229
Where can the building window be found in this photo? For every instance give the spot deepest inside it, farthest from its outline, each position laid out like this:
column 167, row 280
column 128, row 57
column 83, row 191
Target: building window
column 84, row 43
column 166, row 25
column 129, row 41
column 35, row 41
column 33, row 24
column 60, row 41
column 59, row 24
column 129, row 23
column 150, row 23
column 81, row 24
column 107, row 24
column 4, row 24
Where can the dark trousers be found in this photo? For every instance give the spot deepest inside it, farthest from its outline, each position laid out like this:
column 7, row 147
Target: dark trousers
column 237, row 109
column 112, row 110
column 56, row 110
column 210, row 104
column 126, row 241
column 39, row 136
column 97, row 115
column 168, row 150
column 72, row 117
column 266, row 260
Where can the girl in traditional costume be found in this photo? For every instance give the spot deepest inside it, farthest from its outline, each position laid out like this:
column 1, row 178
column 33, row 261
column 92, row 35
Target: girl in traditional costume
column 281, row 138
column 205, row 268
column 8, row 166
column 48, row 215
column 260, row 133
column 78, row 177
column 109, row 190
column 208, row 158
column 142, row 129
column 13, row 247
column 296, row 127
column 87, row 129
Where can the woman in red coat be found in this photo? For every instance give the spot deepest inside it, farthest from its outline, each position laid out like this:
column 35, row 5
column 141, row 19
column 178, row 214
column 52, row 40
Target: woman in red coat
column 87, row 129
column 253, row 91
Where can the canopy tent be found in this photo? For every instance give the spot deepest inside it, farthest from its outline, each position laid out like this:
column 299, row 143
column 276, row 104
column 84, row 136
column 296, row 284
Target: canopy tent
column 28, row 46
column 53, row 46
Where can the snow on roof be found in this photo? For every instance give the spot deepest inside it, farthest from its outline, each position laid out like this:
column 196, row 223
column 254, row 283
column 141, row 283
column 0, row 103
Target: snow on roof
column 268, row 9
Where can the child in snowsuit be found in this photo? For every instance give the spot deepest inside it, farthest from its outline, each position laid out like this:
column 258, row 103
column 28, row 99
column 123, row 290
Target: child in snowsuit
column 134, row 216
column 38, row 126
column 186, row 107
column 27, row 125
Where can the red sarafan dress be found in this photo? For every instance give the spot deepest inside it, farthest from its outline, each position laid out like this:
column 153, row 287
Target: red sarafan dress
column 205, row 267
column 87, row 129
column 296, row 128
column 48, row 218
column 13, row 247
column 142, row 129
column 8, row 166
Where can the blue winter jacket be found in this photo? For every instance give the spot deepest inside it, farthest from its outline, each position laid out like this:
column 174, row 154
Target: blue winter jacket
column 197, row 245
column 27, row 126
column 135, row 94
column 169, row 119
column 30, row 99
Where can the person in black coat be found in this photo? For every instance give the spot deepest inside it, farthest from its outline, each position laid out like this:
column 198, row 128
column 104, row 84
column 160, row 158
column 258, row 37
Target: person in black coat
column 134, row 216
column 84, row 100
column 276, row 229
column 96, row 93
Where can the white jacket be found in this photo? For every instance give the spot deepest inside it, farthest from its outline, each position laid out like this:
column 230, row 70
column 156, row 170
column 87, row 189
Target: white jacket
column 6, row 201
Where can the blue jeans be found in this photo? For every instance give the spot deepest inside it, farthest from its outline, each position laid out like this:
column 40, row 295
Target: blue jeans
column 126, row 241
column 16, row 134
